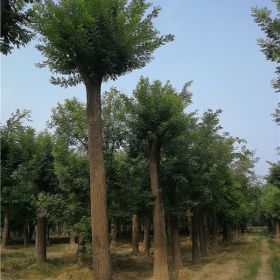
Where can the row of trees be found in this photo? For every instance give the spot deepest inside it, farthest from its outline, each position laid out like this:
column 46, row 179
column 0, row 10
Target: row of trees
column 161, row 162
column 90, row 41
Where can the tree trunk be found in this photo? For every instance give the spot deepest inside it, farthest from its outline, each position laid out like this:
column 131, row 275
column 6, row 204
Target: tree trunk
column 146, row 239
column 160, row 252
column 135, row 230
column 41, row 256
column 113, row 234
column 202, row 237
column 5, row 230
column 72, row 237
column 100, row 239
column 176, row 250
column 214, row 230
column 30, row 232
column 195, row 234
column 277, row 229
column 25, row 236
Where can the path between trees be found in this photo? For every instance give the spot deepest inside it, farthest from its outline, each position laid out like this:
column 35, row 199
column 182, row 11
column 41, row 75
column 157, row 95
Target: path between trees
column 265, row 271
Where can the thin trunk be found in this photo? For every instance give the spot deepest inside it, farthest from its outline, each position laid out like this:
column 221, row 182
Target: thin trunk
column 41, row 256
column 277, row 229
column 5, row 230
column 214, row 230
column 176, row 250
column 146, row 239
column 225, row 232
column 30, row 232
column 202, row 238
column 207, row 234
column 72, row 237
column 100, row 239
column 195, row 234
column 113, row 234
column 160, row 252
column 135, row 230
column 25, row 236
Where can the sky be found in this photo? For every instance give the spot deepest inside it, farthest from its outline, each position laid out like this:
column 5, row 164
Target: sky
column 215, row 47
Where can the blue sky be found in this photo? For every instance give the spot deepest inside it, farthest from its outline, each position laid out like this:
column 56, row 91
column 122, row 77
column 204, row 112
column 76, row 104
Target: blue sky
column 215, row 46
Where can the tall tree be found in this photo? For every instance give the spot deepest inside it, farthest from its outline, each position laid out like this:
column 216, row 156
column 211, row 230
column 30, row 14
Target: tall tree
column 158, row 118
column 90, row 41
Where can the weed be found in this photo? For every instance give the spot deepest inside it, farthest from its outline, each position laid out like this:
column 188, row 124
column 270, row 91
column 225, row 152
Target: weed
column 274, row 260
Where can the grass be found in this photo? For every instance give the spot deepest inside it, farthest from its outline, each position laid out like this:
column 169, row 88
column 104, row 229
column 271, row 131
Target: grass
column 274, row 260
column 19, row 263
column 250, row 266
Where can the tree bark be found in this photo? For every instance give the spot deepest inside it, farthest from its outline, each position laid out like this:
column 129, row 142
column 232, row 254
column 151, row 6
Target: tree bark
column 41, row 255
column 202, row 237
column 176, row 250
column 100, row 240
column 195, row 234
column 135, row 231
column 146, row 239
column 5, row 230
column 160, row 252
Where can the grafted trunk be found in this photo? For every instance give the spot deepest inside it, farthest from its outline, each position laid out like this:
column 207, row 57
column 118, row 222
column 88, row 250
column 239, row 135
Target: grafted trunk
column 160, row 252
column 5, row 230
column 176, row 250
column 135, row 230
column 146, row 239
column 100, row 240
column 41, row 255
column 202, row 237
column 195, row 234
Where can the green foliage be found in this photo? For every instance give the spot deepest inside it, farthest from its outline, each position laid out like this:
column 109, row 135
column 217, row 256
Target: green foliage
column 269, row 46
column 100, row 38
column 17, row 148
column 159, row 110
column 84, row 227
column 14, row 25
column 274, row 174
column 270, row 201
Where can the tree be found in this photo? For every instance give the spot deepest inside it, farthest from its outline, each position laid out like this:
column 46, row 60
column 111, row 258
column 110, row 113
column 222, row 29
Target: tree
column 14, row 25
column 16, row 149
column 38, row 173
column 90, row 41
column 270, row 206
column 270, row 46
column 274, row 174
column 158, row 118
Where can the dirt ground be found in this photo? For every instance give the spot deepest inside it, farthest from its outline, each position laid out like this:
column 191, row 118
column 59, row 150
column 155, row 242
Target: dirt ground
column 265, row 271
column 222, row 264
